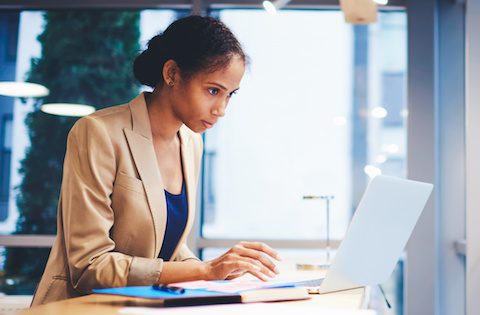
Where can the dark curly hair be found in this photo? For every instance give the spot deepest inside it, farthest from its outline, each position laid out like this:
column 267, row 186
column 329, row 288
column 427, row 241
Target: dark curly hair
column 195, row 43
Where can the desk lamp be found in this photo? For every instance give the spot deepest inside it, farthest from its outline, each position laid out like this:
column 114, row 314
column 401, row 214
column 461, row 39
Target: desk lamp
column 327, row 199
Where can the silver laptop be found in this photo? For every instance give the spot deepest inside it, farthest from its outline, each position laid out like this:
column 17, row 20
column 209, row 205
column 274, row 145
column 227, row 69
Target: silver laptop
column 377, row 234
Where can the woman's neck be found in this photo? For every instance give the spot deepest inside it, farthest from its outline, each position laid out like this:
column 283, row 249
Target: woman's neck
column 163, row 121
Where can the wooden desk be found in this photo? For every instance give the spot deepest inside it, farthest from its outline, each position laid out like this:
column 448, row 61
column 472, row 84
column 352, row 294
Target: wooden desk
column 351, row 300
column 105, row 304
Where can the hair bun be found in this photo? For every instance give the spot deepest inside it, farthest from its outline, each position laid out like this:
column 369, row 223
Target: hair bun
column 147, row 66
column 156, row 43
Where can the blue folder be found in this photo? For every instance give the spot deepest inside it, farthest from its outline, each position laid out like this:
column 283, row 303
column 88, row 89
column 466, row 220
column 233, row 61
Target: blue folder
column 188, row 298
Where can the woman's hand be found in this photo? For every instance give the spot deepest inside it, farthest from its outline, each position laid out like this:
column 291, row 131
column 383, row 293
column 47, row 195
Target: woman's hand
column 245, row 257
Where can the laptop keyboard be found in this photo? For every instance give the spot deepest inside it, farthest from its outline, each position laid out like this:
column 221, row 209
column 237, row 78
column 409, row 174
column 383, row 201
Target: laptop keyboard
column 308, row 283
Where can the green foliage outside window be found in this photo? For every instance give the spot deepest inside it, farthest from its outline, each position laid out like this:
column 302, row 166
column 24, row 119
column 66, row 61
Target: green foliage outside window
column 86, row 58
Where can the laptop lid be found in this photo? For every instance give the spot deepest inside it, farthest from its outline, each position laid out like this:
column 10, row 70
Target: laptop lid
column 377, row 234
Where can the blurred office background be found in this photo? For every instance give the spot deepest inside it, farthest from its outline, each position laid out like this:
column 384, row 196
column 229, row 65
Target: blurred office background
column 324, row 107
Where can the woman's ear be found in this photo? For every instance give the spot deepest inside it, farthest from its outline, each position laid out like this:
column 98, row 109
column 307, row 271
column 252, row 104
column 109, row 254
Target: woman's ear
column 170, row 72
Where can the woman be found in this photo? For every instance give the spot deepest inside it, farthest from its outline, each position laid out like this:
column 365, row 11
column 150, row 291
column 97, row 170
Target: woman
column 130, row 173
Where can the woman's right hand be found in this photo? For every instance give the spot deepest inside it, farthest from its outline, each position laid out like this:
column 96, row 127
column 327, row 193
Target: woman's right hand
column 245, row 257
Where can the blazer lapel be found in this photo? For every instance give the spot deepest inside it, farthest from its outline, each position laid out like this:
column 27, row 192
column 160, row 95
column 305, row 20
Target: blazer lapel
column 189, row 177
column 141, row 146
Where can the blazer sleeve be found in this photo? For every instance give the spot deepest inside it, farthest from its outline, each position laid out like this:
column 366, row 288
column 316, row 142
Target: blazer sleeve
column 185, row 254
column 87, row 216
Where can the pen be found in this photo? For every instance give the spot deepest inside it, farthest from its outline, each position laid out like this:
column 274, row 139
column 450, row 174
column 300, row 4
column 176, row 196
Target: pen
column 168, row 288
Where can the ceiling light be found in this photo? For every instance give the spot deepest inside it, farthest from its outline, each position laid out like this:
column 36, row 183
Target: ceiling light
column 381, row 2
column 22, row 89
column 272, row 6
column 379, row 112
column 380, row 159
column 269, row 7
column 372, row 171
column 66, row 109
column 390, row 148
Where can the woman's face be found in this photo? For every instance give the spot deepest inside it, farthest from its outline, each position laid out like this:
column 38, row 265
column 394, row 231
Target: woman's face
column 202, row 99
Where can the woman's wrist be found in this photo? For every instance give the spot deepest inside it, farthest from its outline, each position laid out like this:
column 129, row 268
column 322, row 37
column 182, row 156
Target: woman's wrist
column 204, row 271
column 184, row 271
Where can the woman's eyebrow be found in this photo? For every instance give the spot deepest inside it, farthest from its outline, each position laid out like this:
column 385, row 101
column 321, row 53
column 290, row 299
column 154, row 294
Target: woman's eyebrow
column 221, row 86
column 218, row 84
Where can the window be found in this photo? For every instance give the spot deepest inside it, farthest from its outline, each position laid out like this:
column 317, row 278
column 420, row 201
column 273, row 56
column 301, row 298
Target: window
column 12, row 37
column 321, row 108
column 5, row 155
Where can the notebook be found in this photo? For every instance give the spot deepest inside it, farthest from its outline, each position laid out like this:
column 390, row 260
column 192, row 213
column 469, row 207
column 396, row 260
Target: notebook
column 212, row 292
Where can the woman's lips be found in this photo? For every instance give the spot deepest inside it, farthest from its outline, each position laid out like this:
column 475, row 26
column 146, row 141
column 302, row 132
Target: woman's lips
column 207, row 124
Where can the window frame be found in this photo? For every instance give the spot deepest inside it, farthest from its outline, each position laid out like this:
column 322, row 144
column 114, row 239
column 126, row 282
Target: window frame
column 194, row 5
column 472, row 116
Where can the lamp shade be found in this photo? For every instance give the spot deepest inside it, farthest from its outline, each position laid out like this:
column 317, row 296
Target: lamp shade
column 272, row 6
column 22, row 89
column 67, row 109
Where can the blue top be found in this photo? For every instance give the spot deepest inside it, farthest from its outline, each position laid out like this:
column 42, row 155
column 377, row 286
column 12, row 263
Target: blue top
column 177, row 213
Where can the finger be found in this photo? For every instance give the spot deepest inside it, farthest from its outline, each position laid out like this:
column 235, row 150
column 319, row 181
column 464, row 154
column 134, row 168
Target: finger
column 258, row 274
column 258, row 256
column 258, row 266
column 248, row 267
column 263, row 269
column 236, row 275
column 263, row 248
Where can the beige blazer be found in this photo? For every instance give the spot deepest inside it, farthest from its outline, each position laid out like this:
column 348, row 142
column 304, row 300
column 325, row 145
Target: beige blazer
column 112, row 208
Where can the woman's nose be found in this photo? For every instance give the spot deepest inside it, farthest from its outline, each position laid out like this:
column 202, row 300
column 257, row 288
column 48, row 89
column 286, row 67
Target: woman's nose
column 219, row 109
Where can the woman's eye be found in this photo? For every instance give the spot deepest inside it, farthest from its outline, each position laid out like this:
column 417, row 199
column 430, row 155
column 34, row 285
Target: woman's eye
column 233, row 93
column 213, row 91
